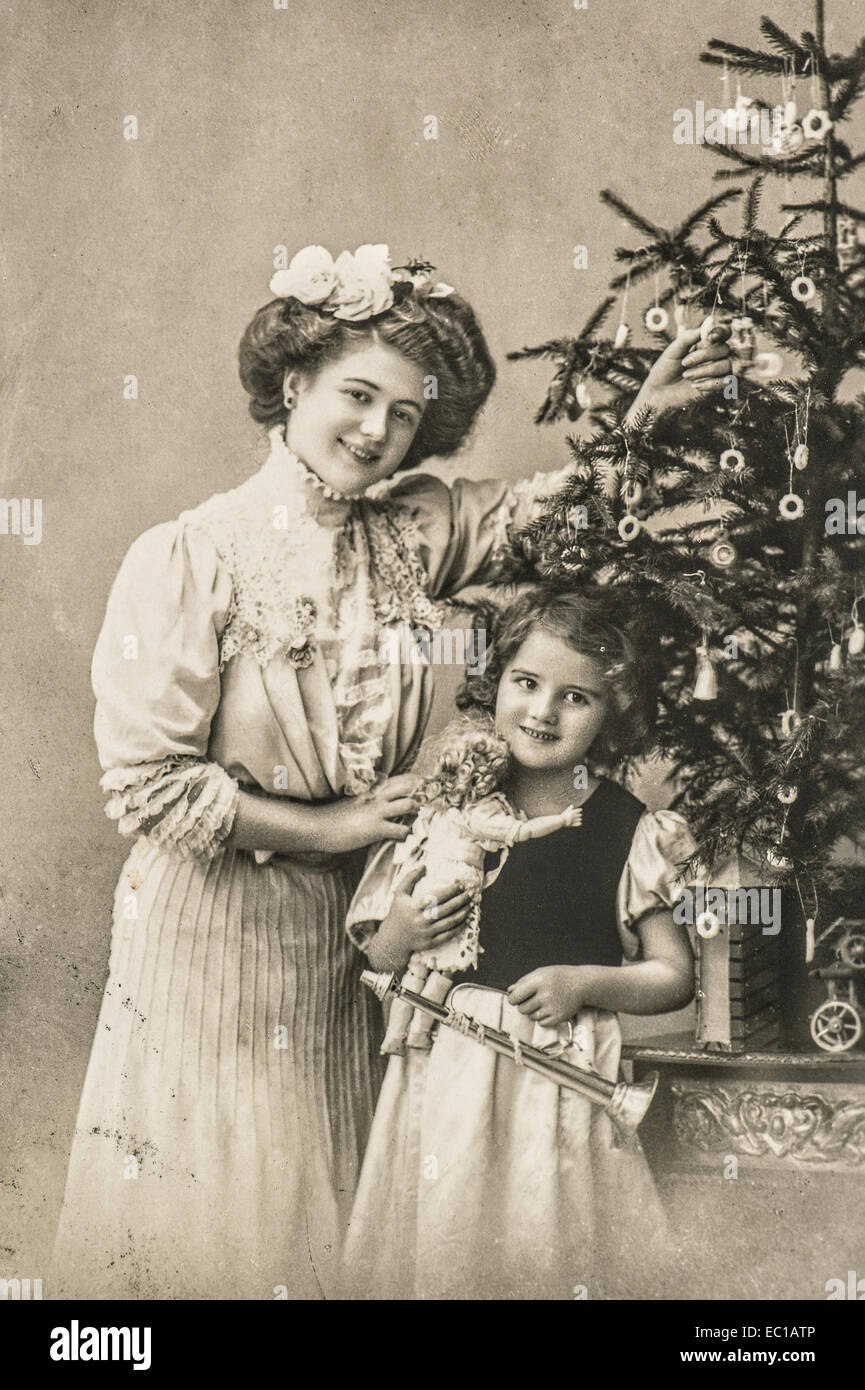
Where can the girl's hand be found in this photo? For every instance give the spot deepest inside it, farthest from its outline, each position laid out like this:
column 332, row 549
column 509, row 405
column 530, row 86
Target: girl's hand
column 551, row 995
column 411, row 926
column 355, row 821
column 686, row 368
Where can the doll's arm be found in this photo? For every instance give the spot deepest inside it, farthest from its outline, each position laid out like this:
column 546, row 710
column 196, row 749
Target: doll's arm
column 539, row 826
column 495, row 826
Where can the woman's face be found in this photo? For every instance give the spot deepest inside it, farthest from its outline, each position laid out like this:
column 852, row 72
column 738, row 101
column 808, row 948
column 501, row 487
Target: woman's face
column 551, row 704
column 354, row 418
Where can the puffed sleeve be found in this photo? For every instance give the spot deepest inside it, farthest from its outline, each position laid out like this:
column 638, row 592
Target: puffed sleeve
column 155, row 675
column 386, row 864
column 462, row 528
column 651, row 877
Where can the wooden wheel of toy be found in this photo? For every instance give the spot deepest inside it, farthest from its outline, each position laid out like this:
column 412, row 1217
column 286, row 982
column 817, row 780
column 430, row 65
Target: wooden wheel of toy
column 851, row 949
column 836, row 1025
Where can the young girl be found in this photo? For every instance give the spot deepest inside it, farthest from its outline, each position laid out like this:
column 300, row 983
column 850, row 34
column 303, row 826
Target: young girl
column 483, row 1179
column 243, row 706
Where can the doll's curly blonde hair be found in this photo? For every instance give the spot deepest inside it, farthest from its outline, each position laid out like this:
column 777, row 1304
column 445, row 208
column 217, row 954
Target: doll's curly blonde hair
column 470, row 765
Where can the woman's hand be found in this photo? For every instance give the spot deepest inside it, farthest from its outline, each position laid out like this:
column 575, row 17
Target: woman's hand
column 411, row 926
column 551, row 995
column 355, row 821
column 688, row 367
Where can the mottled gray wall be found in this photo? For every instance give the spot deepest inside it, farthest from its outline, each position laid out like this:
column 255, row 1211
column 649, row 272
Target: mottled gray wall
column 257, row 126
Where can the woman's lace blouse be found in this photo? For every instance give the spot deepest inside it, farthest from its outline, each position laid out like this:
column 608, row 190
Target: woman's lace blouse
column 253, row 641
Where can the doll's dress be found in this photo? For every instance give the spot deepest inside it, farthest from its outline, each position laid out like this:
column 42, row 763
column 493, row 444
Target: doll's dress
column 234, row 1068
column 452, row 842
column 481, row 1178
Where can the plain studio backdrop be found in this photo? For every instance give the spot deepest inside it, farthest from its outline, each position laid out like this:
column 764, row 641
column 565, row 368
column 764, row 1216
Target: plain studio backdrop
column 259, row 126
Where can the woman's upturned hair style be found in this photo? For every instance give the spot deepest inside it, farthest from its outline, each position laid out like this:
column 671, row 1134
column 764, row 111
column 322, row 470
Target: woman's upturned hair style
column 592, row 622
column 439, row 334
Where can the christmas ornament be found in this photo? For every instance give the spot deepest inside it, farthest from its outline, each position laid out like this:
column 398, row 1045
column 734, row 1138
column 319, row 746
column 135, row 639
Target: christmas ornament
column 848, row 242
column 722, row 555
column 835, row 659
column 573, row 558
column 706, row 683
column 767, row 365
column 742, row 338
column 632, row 493
column 629, row 527
column 787, row 795
column 801, row 456
column 790, row 722
column 707, row 925
column 788, row 141
column 803, row 288
column 776, row 858
column 623, row 333
column 706, row 327
column 735, row 118
column 582, row 395
column 791, row 506
column 810, row 924
column 733, row 459
column 577, row 518
column 856, row 640
column 816, row 124
column 657, row 319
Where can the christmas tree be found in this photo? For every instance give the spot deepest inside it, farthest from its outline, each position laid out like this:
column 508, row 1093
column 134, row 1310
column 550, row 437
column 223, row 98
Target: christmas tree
column 756, row 601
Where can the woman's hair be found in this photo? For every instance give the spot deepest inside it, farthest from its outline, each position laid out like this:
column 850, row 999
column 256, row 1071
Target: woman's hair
column 470, row 764
column 591, row 621
column 439, row 334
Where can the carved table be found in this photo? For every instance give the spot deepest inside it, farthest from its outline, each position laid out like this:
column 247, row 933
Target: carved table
column 761, row 1157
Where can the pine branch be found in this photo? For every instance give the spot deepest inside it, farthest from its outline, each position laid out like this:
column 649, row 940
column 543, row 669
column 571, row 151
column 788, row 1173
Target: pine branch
column 700, row 213
column 752, row 204
column 784, row 43
column 740, row 59
column 635, row 218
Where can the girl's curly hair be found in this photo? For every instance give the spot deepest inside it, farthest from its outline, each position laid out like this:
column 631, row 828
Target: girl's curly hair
column 439, row 334
column 591, row 621
column 471, row 765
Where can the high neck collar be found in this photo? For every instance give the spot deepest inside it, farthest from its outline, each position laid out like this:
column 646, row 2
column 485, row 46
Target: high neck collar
column 325, row 504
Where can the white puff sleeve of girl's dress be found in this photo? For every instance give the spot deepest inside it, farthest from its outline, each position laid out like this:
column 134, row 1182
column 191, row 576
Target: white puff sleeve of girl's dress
column 652, row 876
column 155, row 675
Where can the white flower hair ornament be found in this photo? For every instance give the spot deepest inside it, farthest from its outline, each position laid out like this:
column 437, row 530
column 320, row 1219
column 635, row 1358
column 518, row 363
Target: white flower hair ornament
column 352, row 287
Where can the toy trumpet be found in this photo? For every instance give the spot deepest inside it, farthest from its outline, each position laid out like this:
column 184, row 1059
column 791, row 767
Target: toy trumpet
column 625, row 1103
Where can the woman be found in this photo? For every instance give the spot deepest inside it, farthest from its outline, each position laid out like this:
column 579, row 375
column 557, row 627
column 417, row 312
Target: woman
column 253, row 741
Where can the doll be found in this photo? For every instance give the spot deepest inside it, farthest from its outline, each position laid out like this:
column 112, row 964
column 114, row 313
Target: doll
column 464, row 815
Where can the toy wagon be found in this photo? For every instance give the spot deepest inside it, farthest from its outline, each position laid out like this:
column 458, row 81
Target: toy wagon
column 836, row 1025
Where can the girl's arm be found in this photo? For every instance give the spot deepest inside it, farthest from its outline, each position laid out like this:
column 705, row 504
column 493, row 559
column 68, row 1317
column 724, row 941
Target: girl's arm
column 280, row 824
column 659, row 983
column 411, row 926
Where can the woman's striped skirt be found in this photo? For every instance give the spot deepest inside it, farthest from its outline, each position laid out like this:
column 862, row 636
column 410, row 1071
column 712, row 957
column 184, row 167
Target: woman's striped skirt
column 230, row 1088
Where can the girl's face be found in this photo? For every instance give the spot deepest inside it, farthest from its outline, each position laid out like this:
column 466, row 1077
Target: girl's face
column 551, row 704
column 355, row 418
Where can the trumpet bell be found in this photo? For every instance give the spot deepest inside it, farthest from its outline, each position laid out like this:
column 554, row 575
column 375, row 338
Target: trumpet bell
column 629, row 1103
